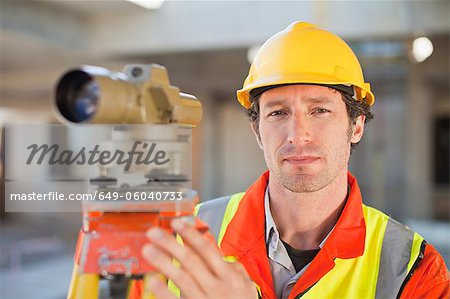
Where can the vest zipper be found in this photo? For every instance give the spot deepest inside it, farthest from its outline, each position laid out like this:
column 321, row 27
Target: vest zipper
column 413, row 268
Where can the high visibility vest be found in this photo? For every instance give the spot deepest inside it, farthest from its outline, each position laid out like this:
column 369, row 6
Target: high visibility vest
column 391, row 253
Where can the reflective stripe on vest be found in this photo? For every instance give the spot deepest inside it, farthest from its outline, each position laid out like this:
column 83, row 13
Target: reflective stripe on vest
column 396, row 257
column 391, row 250
column 217, row 213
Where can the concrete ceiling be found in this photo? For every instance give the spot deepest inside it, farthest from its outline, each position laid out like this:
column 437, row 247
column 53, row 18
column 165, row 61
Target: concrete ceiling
column 92, row 7
column 118, row 27
column 40, row 38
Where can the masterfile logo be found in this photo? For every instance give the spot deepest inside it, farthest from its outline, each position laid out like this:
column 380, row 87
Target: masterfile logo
column 58, row 168
column 147, row 156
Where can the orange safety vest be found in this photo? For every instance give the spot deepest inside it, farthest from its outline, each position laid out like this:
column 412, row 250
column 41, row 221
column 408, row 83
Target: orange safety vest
column 367, row 255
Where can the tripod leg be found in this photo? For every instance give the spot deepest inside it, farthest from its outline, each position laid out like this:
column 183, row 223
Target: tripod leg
column 73, row 283
column 87, row 286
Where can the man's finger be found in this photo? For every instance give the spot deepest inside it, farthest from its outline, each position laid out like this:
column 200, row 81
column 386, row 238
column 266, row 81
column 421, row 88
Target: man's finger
column 209, row 253
column 241, row 270
column 164, row 264
column 187, row 257
column 158, row 288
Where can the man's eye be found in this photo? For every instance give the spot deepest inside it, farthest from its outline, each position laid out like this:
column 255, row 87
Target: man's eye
column 276, row 113
column 321, row 110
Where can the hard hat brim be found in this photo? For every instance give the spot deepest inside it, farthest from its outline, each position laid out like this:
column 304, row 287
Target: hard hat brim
column 243, row 95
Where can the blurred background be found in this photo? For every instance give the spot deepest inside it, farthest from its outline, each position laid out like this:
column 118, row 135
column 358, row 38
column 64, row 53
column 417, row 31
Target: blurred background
column 402, row 164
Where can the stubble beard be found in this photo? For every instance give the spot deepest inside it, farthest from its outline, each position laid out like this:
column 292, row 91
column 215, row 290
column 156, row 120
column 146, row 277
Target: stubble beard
column 306, row 183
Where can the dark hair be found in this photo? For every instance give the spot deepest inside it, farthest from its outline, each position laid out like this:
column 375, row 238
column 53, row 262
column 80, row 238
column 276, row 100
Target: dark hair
column 354, row 109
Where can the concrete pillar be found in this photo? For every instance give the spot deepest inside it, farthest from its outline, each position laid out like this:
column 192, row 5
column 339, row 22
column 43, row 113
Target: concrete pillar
column 418, row 146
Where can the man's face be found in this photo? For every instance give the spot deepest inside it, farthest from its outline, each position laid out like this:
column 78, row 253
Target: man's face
column 305, row 133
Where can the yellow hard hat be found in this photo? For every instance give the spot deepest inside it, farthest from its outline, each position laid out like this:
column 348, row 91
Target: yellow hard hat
column 304, row 53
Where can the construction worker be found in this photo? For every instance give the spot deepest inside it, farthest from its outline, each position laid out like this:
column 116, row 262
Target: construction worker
column 301, row 230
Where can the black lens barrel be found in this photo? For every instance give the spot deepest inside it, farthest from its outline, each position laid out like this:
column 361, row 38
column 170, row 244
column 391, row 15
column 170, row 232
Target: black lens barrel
column 77, row 96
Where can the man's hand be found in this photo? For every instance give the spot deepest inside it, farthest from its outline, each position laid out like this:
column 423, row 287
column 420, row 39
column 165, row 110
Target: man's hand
column 202, row 272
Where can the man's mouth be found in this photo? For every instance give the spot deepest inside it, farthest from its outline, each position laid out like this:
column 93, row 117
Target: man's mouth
column 301, row 160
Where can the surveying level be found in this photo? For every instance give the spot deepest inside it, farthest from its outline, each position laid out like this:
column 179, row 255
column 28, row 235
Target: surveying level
column 141, row 94
column 143, row 108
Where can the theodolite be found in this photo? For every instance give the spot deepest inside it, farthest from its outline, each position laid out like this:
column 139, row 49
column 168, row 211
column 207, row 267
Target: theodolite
column 130, row 197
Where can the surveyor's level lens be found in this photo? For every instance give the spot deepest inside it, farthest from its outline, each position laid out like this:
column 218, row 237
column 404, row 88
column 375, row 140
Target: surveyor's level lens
column 77, row 96
column 141, row 94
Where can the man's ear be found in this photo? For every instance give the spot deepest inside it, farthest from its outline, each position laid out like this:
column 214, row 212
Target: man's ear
column 358, row 129
column 255, row 130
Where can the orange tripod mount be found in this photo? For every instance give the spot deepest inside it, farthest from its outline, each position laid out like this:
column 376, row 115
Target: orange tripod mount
column 112, row 236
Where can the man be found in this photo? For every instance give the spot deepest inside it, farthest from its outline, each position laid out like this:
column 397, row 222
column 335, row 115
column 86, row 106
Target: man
column 301, row 229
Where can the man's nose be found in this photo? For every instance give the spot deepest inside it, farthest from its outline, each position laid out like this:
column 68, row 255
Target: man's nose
column 299, row 130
